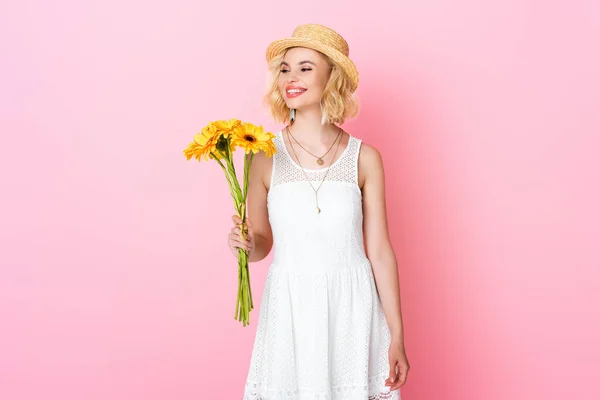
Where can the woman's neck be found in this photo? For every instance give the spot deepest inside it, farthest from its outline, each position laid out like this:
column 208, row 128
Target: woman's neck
column 307, row 127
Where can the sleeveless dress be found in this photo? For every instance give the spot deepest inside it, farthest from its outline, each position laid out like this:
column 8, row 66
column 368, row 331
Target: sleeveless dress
column 321, row 331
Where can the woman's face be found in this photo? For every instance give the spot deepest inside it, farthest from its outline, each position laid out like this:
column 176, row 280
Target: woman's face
column 303, row 75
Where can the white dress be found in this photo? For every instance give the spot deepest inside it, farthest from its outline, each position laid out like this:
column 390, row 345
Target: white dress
column 321, row 331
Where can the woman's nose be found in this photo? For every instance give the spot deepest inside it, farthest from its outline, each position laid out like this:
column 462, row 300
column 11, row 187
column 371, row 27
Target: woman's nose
column 291, row 77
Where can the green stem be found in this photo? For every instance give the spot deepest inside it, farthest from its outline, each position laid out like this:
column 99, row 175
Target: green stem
column 236, row 185
column 231, row 166
column 238, row 308
column 250, row 292
column 217, row 160
column 247, row 164
column 244, row 303
column 230, row 180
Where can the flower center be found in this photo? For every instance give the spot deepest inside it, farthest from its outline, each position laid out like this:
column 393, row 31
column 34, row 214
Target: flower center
column 250, row 138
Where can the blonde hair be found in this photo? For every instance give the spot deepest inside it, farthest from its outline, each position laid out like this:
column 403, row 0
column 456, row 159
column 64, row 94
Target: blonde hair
column 338, row 102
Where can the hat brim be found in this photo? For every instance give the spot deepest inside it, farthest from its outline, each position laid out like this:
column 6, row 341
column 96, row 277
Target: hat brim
column 279, row 46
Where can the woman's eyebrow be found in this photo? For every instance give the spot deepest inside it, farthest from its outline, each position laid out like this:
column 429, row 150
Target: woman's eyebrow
column 300, row 63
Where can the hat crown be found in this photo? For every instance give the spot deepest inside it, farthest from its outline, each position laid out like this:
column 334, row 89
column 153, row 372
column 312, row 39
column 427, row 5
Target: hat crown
column 322, row 34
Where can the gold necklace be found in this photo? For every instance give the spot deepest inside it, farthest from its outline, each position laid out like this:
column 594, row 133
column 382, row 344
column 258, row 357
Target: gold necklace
column 317, row 209
column 319, row 159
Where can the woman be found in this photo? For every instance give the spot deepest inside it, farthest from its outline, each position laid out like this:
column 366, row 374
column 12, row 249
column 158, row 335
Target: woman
column 330, row 324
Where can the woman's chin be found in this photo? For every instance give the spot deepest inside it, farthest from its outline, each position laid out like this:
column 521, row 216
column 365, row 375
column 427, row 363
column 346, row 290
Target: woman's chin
column 301, row 105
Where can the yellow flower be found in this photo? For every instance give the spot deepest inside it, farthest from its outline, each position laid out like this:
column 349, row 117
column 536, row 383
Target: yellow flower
column 226, row 128
column 253, row 138
column 206, row 141
column 193, row 150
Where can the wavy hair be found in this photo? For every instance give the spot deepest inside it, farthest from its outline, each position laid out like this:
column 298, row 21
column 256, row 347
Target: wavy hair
column 338, row 102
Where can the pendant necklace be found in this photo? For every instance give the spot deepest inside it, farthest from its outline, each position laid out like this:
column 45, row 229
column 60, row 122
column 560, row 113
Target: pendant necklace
column 317, row 209
column 319, row 159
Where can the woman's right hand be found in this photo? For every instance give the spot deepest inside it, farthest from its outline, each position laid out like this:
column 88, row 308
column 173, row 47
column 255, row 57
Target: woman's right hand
column 235, row 238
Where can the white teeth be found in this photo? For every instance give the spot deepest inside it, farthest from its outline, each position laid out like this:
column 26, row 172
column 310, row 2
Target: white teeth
column 295, row 91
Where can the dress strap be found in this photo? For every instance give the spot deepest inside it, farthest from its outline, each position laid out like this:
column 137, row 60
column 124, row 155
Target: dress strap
column 355, row 158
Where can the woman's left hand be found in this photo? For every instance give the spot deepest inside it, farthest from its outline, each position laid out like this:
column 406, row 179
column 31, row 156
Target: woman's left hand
column 399, row 365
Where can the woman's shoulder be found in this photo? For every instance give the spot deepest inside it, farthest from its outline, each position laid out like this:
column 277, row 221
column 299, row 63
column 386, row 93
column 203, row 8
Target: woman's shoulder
column 370, row 163
column 261, row 167
column 368, row 153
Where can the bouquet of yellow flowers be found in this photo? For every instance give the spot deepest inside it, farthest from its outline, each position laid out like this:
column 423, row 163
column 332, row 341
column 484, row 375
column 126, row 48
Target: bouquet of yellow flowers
column 218, row 140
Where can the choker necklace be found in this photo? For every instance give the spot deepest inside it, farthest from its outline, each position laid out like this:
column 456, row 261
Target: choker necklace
column 319, row 159
column 317, row 209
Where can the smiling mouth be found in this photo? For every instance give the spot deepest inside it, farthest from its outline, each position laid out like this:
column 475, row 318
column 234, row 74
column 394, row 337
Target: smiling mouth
column 294, row 92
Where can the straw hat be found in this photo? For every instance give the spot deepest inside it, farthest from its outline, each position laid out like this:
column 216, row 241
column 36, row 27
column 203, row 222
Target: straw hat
column 320, row 38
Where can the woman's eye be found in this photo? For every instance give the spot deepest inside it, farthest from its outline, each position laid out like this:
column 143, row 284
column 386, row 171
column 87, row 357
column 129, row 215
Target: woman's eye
column 285, row 71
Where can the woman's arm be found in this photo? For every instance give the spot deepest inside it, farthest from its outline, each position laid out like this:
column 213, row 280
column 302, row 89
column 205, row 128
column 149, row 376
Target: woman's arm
column 260, row 173
column 377, row 242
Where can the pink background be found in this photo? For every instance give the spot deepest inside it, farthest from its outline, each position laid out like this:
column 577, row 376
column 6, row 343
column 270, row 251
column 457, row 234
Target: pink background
column 116, row 282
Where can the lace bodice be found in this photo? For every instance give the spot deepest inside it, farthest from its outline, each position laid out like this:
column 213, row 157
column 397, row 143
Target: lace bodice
column 344, row 169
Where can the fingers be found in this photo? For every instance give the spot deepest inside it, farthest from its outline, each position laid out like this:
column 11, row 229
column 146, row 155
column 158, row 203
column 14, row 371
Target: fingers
column 401, row 378
column 236, row 241
column 238, row 222
column 392, row 377
column 235, row 236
